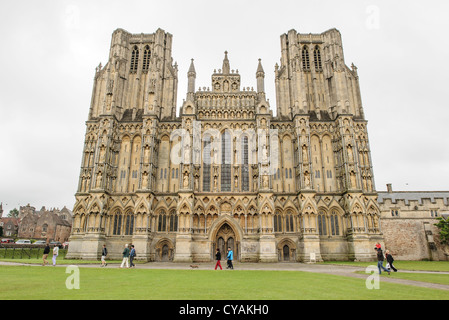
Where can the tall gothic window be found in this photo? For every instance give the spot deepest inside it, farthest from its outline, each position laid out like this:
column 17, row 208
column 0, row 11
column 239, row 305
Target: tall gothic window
column 146, row 59
column 317, row 59
column 117, row 224
column 334, row 224
column 226, row 161
column 162, row 223
column 277, row 222
column 289, row 226
column 129, row 224
column 305, row 58
column 134, row 59
column 206, row 164
column 245, row 166
column 322, row 224
column 173, row 221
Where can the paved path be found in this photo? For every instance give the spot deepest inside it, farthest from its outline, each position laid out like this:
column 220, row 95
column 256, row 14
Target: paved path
column 334, row 269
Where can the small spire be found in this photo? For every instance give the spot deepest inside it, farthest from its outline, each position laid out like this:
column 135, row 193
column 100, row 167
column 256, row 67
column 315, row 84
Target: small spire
column 226, row 67
column 192, row 68
column 259, row 67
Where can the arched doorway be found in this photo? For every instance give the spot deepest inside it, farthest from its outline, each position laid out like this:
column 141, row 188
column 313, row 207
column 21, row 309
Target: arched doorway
column 164, row 250
column 224, row 239
column 286, row 251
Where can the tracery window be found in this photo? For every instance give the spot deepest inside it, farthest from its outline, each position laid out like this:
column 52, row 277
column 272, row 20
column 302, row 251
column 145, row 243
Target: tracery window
column 305, row 59
column 317, row 59
column 134, row 59
column 117, row 224
column 129, row 224
column 289, row 227
column 162, row 223
column 322, row 224
column 146, row 59
column 245, row 166
column 335, row 230
column 206, row 164
column 226, row 161
column 173, row 221
column 277, row 222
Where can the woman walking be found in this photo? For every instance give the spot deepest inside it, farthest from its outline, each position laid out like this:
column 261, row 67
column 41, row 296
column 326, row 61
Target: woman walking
column 218, row 258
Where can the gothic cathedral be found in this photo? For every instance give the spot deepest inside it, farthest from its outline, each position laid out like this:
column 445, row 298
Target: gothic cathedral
column 296, row 187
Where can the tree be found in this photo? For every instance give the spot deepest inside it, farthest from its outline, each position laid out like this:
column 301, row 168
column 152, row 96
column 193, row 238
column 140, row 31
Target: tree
column 14, row 213
column 443, row 225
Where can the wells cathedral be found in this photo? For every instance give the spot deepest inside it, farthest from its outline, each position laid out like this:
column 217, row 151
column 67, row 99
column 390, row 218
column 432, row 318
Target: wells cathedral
column 297, row 186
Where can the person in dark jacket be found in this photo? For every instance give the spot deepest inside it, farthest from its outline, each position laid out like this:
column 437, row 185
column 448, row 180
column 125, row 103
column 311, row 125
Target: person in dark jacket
column 390, row 260
column 125, row 255
column 45, row 255
column 218, row 258
column 104, row 253
column 132, row 255
column 380, row 261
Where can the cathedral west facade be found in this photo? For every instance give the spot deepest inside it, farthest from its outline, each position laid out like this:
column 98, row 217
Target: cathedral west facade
column 297, row 186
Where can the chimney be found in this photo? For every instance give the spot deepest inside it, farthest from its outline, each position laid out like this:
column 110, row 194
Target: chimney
column 389, row 188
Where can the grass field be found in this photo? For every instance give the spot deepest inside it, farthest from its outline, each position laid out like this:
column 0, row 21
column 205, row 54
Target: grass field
column 49, row 283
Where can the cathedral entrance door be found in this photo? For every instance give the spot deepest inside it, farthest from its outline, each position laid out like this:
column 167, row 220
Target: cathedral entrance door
column 286, row 253
column 226, row 238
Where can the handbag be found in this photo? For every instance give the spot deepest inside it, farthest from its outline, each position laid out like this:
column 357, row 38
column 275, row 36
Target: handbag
column 388, row 265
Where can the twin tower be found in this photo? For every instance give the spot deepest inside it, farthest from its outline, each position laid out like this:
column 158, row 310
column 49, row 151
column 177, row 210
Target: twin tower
column 297, row 186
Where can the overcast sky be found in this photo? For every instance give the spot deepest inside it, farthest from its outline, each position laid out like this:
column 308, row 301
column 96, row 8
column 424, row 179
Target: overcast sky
column 49, row 51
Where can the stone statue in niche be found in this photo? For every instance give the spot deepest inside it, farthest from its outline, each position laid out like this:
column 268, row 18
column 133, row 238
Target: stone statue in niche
column 145, row 180
column 186, row 180
column 306, row 179
column 98, row 182
column 353, row 180
column 304, row 154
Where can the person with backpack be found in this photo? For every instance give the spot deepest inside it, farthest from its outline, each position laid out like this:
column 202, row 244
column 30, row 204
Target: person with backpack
column 390, row 260
column 380, row 261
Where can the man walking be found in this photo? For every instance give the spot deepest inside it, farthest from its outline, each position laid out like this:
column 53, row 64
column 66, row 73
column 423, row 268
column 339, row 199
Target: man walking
column 104, row 253
column 132, row 255
column 380, row 261
column 125, row 257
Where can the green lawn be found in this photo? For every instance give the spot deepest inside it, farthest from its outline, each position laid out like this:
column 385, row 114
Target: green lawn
column 49, row 283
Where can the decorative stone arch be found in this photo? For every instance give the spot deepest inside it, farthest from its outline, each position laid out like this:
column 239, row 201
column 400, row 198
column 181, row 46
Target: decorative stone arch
column 164, row 250
column 286, row 249
column 224, row 232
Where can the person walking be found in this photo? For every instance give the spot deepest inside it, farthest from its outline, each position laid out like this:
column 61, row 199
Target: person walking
column 230, row 257
column 45, row 255
column 390, row 260
column 132, row 255
column 104, row 253
column 55, row 254
column 380, row 261
column 218, row 258
column 125, row 255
